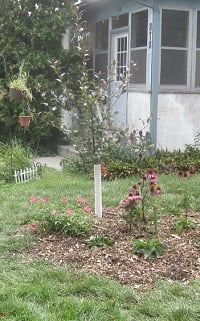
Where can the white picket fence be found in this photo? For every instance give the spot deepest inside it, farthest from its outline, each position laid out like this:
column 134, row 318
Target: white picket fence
column 26, row 174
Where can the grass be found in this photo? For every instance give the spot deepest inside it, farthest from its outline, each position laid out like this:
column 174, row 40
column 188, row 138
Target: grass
column 37, row 291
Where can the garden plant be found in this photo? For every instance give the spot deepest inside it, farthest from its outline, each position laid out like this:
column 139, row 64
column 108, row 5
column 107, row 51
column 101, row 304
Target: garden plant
column 61, row 215
column 58, row 261
column 30, row 255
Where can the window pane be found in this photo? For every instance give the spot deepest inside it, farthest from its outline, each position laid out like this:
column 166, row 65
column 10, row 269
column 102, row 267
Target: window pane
column 198, row 29
column 120, row 21
column 197, row 81
column 102, row 35
column 121, row 57
column 139, row 29
column 173, row 67
column 101, row 63
column 138, row 66
column 175, row 28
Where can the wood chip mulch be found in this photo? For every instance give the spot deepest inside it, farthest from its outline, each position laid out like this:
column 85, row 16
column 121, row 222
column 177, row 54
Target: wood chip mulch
column 180, row 261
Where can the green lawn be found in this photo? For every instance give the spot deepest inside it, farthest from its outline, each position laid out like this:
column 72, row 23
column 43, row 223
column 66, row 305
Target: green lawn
column 37, row 291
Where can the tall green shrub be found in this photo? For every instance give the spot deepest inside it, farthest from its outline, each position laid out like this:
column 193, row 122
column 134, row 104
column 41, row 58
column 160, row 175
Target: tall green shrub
column 32, row 30
column 13, row 156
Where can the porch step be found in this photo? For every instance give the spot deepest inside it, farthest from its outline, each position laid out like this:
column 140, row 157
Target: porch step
column 66, row 151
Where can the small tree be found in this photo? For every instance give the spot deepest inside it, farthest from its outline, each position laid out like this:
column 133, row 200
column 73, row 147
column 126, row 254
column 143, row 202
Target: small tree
column 91, row 98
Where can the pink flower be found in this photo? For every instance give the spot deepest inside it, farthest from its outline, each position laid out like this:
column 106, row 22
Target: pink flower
column 69, row 211
column 131, row 198
column 87, row 209
column 135, row 195
column 33, row 199
column 53, row 212
column 152, row 177
column 124, row 202
column 33, row 225
column 158, row 190
column 81, row 201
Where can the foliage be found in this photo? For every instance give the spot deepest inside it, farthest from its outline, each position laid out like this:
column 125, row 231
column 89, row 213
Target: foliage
column 61, row 216
column 13, row 157
column 92, row 131
column 2, row 91
column 17, row 18
column 19, row 82
column 73, row 165
column 124, row 161
column 197, row 242
column 65, row 293
column 196, row 144
column 135, row 214
column 151, row 248
column 182, row 223
column 134, row 147
column 98, row 241
column 185, row 163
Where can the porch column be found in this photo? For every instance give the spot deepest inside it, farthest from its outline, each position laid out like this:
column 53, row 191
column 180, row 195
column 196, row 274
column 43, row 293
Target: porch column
column 155, row 74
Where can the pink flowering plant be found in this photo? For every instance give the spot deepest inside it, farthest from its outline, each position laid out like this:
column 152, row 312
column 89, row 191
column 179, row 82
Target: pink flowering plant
column 132, row 211
column 64, row 215
column 139, row 198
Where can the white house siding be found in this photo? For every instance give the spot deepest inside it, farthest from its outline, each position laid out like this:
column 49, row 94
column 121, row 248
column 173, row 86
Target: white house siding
column 173, row 104
column 138, row 111
column 178, row 120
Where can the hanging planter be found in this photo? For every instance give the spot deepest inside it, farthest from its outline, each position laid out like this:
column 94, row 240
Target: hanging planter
column 16, row 94
column 18, row 86
column 24, row 121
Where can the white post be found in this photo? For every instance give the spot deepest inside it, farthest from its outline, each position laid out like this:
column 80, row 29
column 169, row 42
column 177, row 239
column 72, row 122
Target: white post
column 98, row 191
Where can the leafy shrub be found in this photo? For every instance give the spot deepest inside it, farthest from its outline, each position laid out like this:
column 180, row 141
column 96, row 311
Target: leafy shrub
column 63, row 215
column 121, row 161
column 140, row 146
column 151, row 248
column 182, row 223
column 99, row 241
column 74, row 164
column 184, row 163
column 13, row 156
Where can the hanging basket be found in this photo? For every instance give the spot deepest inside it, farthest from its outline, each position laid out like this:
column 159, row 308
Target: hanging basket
column 24, row 121
column 16, row 94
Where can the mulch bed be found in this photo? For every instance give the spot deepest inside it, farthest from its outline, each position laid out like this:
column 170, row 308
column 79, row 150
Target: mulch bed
column 180, row 261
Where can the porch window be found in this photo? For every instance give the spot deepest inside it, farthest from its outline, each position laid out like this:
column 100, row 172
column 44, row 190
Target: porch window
column 102, row 35
column 139, row 27
column 101, row 47
column 120, row 21
column 197, row 73
column 174, row 47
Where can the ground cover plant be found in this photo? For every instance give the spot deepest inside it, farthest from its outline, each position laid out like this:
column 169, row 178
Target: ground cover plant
column 79, row 282
column 61, row 216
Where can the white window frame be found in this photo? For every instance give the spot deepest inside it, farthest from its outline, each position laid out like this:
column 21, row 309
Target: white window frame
column 115, row 37
column 147, row 85
column 194, row 51
column 97, row 51
column 191, row 59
